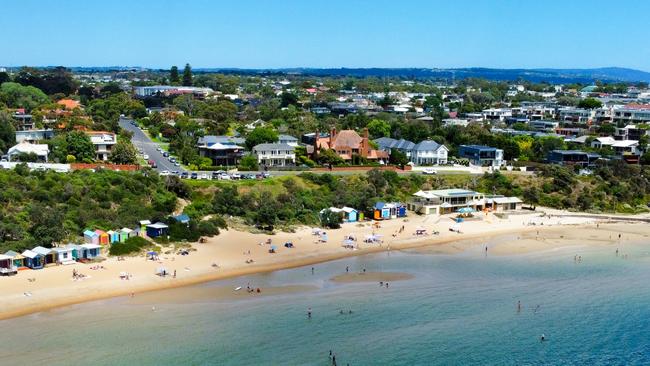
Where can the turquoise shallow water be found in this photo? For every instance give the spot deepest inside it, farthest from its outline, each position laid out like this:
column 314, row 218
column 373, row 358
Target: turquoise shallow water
column 457, row 310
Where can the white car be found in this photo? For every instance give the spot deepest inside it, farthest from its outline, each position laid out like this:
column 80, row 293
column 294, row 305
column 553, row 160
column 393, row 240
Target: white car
column 203, row 176
column 429, row 171
column 145, row 156
column 224, row 176
column 165, row 173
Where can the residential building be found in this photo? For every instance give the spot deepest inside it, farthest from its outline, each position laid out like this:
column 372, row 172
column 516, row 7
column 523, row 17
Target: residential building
column 497, row 114
column 33, row 136
column 222, row 150
column 275, row 155
column 627, row 147
column 600, row 142
column 40, row 150
column 149, row 91
column 632, row 113
column 481, row 155
column 631, row 132
column 348, row 143
column 573, row 157
column 103, row 142
column 445, row 201
column 426, row 152
column 25, row 121
column 429, row 152
column 576, row 115
column 288, row 139
column 541, row 125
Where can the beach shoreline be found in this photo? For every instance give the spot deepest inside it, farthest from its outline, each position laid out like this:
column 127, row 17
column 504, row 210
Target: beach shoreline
column 53, row 287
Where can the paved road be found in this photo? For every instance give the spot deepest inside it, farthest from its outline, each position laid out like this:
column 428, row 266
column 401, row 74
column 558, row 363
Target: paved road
column 141, row 141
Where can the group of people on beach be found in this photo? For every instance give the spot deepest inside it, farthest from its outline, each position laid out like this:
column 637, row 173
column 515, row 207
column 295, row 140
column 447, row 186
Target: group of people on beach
column 77, row 276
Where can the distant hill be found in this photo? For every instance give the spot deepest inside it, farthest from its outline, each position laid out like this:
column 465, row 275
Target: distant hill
column 557, row 76
column 608, row 74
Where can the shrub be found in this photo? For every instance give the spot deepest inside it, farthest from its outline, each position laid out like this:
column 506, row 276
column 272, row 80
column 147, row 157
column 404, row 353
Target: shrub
column 131, row 245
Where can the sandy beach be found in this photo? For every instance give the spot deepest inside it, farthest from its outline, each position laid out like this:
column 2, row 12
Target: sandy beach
column 227, row 255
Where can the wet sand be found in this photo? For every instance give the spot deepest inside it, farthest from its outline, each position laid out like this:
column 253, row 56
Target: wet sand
column 371, row 277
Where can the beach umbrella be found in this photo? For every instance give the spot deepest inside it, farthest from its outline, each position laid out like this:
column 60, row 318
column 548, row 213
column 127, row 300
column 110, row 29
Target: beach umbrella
column 465, row 210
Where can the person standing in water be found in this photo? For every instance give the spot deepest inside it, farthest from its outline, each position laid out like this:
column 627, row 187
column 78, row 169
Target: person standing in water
column 308, row 313
column 519, row 306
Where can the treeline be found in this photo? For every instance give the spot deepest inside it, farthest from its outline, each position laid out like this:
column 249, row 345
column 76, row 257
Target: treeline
column 45, row 207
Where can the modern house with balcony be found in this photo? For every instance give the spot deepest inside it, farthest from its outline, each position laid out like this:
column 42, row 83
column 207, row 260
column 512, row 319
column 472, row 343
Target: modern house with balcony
column 275, row 155
column 573, row 157
column 103, row 142
column 427, row 152
column 445, row 201
column 222, row 150
column 481, row 155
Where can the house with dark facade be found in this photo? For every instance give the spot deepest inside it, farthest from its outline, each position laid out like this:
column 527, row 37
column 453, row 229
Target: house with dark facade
column 222, row 150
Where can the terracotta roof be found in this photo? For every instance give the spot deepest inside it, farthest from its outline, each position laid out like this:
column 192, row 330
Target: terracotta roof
column 69, row 103
column 347, row 138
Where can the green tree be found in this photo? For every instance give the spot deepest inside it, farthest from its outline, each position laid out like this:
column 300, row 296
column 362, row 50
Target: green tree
column 261, row 135
column 79, row 145
column 590, row 103
column 27, row 157
column 331, row 219
column 7, row 132
column 173, row 75
column 187, row 75
column 248, row 163
column 378, row 128
column 46, row 227
column 227, row 201
column 124, row 153
column 398, row 158
column 645, row 158
column 15, row 95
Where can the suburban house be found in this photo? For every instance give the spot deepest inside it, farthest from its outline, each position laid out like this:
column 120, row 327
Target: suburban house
column 572, row 157
column 600, row 142
column 577, row 115
column 481, row 155
column 24, row 121
column 347, row 143
column 34, row 136
column 541, row 125
column 632, row 113
column 69, row 104
column 501, row 203
column 631, row 132
column 426, row 152
column 275, row 155
column 103, row 142
column 222, row 150
column 445, row 201
column 288, row 139
column 40, row 150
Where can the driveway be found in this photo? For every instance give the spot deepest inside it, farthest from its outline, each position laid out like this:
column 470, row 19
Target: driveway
column 141, row 141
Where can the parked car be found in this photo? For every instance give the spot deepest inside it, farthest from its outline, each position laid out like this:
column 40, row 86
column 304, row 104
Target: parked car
column 184, row 175
column 165, row 154
column 165, row 173
column 429, row 171
column 177, row 163
column 175, row 172
column 215, row 175
column 145, row 156
column 204, row 176
column 224, row 176
column 194, row 175
column 235, row 176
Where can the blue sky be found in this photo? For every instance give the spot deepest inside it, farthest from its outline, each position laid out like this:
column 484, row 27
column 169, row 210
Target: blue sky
column 333, row 33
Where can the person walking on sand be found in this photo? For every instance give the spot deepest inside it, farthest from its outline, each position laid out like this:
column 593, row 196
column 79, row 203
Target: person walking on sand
column 174, row 273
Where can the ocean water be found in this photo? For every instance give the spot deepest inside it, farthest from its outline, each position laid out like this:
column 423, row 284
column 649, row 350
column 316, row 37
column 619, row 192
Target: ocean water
column 458, row 310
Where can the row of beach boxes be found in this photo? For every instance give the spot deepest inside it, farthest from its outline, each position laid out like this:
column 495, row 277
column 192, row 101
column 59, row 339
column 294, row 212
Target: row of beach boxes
column 146, row 228
column 39, row 257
